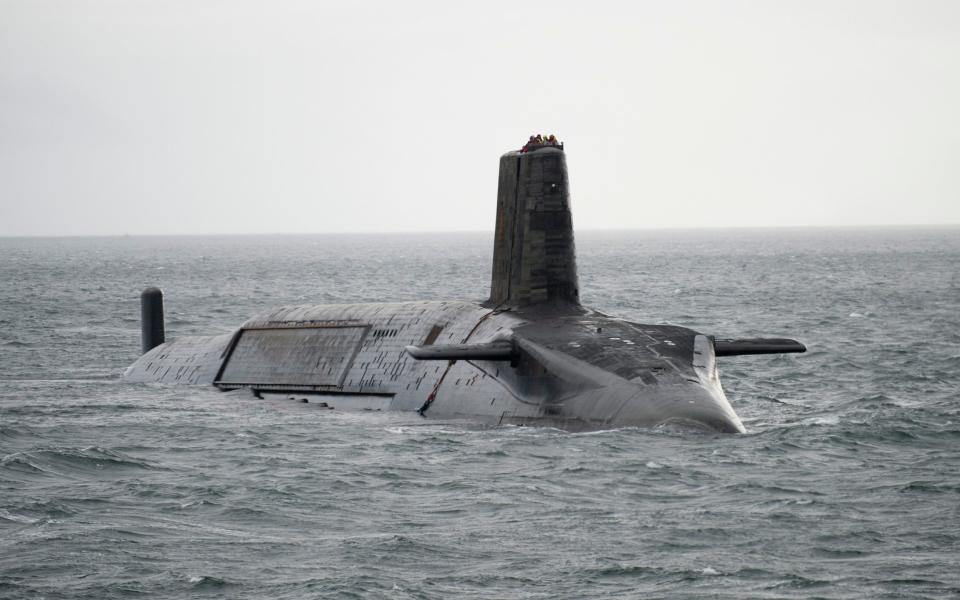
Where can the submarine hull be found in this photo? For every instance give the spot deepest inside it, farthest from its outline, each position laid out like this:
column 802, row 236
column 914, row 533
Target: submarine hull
column 576, row 370
column 529, row 355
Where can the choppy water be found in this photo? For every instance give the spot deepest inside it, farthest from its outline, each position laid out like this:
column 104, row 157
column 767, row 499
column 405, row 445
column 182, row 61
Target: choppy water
column 846, row 486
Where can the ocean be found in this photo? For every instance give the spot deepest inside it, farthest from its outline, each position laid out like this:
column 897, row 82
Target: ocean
column 846, row 485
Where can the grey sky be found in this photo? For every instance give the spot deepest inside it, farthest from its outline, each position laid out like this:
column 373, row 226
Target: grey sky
column 236, row 116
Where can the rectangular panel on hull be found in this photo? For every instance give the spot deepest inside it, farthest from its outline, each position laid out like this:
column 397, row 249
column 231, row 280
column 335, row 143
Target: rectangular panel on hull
column 292, row 357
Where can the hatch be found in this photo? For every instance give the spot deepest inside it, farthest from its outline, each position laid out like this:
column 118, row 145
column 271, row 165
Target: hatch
column 308, row 358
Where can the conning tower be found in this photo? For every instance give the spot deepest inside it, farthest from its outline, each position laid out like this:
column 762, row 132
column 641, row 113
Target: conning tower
column 534, row 258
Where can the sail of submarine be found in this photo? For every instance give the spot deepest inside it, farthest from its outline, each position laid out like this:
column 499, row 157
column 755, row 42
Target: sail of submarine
column 529, row 355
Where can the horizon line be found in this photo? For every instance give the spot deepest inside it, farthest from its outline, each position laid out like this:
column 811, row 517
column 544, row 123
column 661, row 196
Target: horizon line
column 489, row 231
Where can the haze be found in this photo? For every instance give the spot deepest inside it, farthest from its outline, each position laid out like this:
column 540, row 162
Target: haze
column 177, row 117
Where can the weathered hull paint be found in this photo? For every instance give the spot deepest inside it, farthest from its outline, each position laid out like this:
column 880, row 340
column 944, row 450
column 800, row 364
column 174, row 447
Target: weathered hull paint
column 580, row 371
column 530, row 355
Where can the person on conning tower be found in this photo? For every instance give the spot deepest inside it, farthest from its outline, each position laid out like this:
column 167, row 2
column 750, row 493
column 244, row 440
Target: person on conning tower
column 529, row 145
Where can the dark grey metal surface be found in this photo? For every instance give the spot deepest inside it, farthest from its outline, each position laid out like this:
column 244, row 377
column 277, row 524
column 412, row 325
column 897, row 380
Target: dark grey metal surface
column 757, row 346
column 534, row 258
column 151, row 319
column 531, row 354
column 497, row 350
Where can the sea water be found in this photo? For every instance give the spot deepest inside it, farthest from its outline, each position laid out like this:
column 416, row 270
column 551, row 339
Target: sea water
column 847, row 484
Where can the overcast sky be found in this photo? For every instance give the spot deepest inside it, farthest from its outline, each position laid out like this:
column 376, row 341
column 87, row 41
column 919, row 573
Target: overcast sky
column 237, row 116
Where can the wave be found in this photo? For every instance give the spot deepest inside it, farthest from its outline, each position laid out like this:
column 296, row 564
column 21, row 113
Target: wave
column 70, row 463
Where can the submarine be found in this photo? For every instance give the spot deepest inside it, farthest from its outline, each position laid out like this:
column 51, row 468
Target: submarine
column 531, row 354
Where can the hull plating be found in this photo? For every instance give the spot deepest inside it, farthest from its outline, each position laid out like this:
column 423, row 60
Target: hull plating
column 577, row 371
